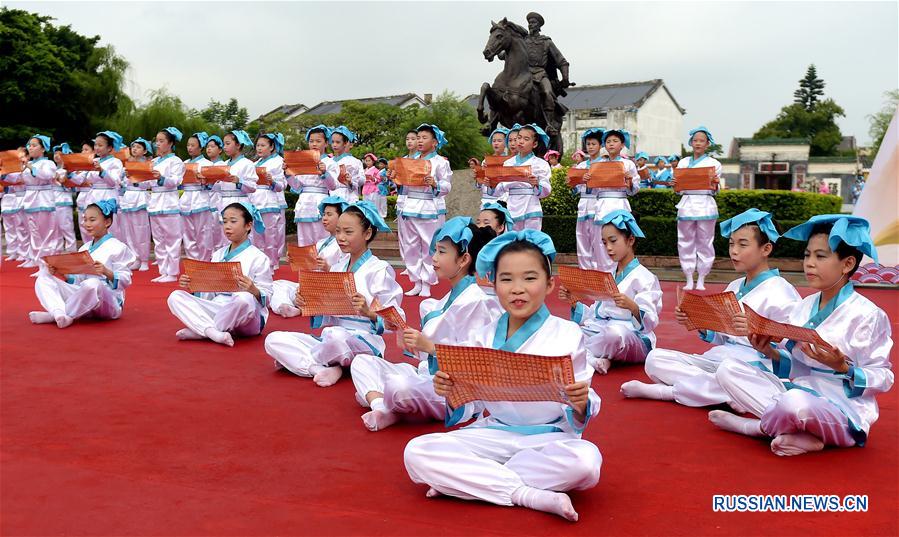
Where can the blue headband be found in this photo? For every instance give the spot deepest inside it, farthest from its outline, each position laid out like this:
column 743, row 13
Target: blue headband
column 456, row 230
column 242, row 137
column 258, row 224
column 332, row 200
column 674, row 156
column 108, row 206
column 117, row 140
column 441, row 138
column 500, row 130
column 641, row 154
column 515, row 128
column 201, row 137
column 322, row 129
column 44, row 140
column 63, row 148
column 621, row 132
column 146, row 143
column 214, row 138
column 661, row 159
column 174, row 132
column 596, row 131
column 277, row 139
column 701, row 129
column 540, row 133
column 486, row 263
column 346, row 132
column 751, row 216
column 852, row 230
column 507, row 216
column 623, row 220
column 370, row 212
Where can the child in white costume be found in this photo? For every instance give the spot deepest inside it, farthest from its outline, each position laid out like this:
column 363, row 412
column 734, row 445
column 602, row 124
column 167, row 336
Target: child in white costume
column 350, row 183
column 163, row 207
column 588, row 256
column 405, row 246
column 697, row 213
column 64, row 204
column 620, row 329
column 133, row 221
column 200, row 233
column 284, row 292
column 614, row 142
column 312, row 189
column 221, row 316
column 499, row 142
column 344, row 337
column 106, row 178
column 102, row 294
column 689, row 379
column 818, row 395
column 269, row 147
column 524, row 196
column 522, row 453
column 393, row 390
column 39, row 201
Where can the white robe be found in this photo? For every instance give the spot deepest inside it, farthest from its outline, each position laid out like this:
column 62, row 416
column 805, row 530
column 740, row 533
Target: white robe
column 227, row 192
column 284, row 291
column 524, row 199
column 311, row 190
column 698, row 204
column 536, row 444
column 353, row 167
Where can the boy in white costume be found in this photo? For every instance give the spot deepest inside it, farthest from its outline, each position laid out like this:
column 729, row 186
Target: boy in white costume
column 197, row 216
column 39, row 201
column 350, row 182
column 312, row 189
column 163, row 206
column 524, row 196
column 499, row 142
column 269, row 147
column 133, row 221
column 585, row 232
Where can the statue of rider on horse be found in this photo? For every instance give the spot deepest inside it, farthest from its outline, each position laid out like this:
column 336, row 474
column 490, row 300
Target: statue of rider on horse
column 529, row 87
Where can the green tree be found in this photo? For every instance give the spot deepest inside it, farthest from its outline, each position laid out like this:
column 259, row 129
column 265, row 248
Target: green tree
column 460, row 123
column 810, row 89
column 227, row 117
column 55, row 81
column 880, row 121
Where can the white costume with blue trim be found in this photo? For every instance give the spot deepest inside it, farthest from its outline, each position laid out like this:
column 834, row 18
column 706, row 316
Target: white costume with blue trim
column 588, row 257
column 197, row 217
column 64, row 217
column 284, row 291
column 15, row 227
column 81, row 295
column 804, row 395
column 408, row 389
column 524, row 199
column 614, row 333
column 693, row 375
column 421, row 217
column 39, row 206
column 228, row 192
column 343, row 337
column 265, row 198
column 535, row 444
column 607, row 201
column 353, row 168
column 165, row 214
column 311, row 190
column 696, row 216
column 132, row 220
column 240, row 313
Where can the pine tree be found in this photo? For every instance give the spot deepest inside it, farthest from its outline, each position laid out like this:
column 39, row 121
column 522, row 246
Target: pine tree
column 810, row 88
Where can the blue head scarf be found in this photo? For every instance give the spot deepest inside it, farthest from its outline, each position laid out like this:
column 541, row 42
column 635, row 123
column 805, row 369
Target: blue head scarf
column 62, row 148
column 117, row 141
column 751, row 216
column 852, row 230
column 44, row 140
column 507, row 216
column 540, row 133
column 146, row 143
column 673, row 157
column 626, row 135
column 596, row 132
column 456, row 230
column 174, row 132
column 258, row 224
column 641, row 154
column 486, row 263
column 201, row 137
column 370, row 212
column 242, row 137
column 322, row 129
column 346, row 132
column 623, row 220
column 214, row 138
column 441, row 138
column 108, row 206
column 701, row 128
column 500, row 130
column 661, row 159
column 277, row 139
column 332, row 200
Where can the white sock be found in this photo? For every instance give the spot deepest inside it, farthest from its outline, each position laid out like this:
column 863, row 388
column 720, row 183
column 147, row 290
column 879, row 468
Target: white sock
column 432, row 493
column 327, row 376
column 645, row 390
column 219, row 337
column 737, row 407
column 602, row 365
column 166, row 279
column 286, row 310
column 41, row 317
column 689, row 284
column 379, row 417
column 736, row 424
column 548, row 501
column 144, row 267
column 700, row 282
column 187, row 333
column 415, row 289
column 787, row 445
column 425, row 290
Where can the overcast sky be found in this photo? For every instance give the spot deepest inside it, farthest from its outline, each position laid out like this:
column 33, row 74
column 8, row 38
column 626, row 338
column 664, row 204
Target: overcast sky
column 731, row 65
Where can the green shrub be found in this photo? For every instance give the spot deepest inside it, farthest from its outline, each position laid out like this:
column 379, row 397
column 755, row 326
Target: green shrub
column 561, row 201
column 562, row 231
column 292, row 202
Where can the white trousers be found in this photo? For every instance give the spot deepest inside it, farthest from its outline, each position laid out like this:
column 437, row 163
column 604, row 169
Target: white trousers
column 783, row 411
column 535, row 222
column 405, row 390
column 298, row 352
column 66, row 222
column 15, row 230
column 198, row 239
column 691, row 375
column 617, row 343
column 378, row 201
column 584, row 235
column 239, row 313
column 415, row 247
column 283, row 293
column 43, row 232
column 91, row 297
column 694, row 245
column 134, row 230
column 166, row 229
column 271, row 242
column 310, row 233
column 477, row 463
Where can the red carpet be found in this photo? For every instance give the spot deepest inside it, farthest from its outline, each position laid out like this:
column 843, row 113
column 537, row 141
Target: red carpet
column 118, row 428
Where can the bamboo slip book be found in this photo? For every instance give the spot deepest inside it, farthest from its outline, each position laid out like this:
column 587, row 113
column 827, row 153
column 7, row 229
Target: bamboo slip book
column 302, row 257
column 190, row 174
column 779, row 331
column 262, row 176
column 211, row 277
column 602, row 175
column 710, row 312
column 72, row 263
column 139, row 171
column 303, row 162
column 410, row 171
column 327, row 293
column 481, row 374
column 587, row 286
column 77, row 162
column 494, row 175
column 693, row 178
column 9, row 162
column 212, row 174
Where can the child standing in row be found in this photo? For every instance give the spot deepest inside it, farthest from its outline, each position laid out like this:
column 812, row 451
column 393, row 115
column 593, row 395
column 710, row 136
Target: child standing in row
column 524, row 196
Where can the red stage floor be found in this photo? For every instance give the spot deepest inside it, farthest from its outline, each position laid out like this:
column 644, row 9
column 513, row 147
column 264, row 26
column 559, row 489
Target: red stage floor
column 118, row 428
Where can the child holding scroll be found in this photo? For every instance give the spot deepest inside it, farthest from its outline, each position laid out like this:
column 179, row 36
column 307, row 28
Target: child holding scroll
column 393, row 390
column 214, row 148
column 199, row 222
column 498, row 140
column 64, row 204
column 39, row 201
column 312, row 189
column 613, row 199
column 100, row 294
column 525, row 195
column 588, row 257
column 520, row 453
column 411, row 152
column 269, row 147
column 640, row 160
column 242, row 181
column 830, row 397
column 697, row 213
column 105, row 180
column 15, row 227
column 351, row 181
column 689, row 379
column 620, row 329
column 373, row 189
column 222, row 316
column 163, row 207
column 133, row 219
column 284, row 292
column 661, row 177
column 347, row 336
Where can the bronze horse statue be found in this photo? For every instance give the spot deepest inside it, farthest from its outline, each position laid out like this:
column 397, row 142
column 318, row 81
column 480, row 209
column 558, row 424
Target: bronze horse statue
column 513, row 98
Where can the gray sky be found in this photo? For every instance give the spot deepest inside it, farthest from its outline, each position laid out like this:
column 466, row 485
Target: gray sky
column 731, row 65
